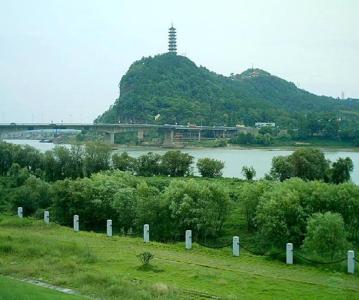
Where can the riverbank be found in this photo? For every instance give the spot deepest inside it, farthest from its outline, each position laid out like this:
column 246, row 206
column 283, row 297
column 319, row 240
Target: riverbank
column 105, row 267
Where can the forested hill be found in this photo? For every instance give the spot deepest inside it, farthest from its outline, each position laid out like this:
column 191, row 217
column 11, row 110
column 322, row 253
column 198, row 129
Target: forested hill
column 175, row 88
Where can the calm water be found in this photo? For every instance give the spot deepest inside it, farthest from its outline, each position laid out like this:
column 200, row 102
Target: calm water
column 234, row 159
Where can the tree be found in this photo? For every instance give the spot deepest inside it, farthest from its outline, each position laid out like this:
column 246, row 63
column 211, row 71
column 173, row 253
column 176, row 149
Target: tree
column 123, row 162
column 249, row 196
column 305, row 163
column 280, row 217
column 148, row 164
column 176, row 163
column 340, row 171
column 209, row 167
column 281, row 169
column 309, row 164
column 326, row 236
column 201, row 207
column 97, row 157
column 248, row 172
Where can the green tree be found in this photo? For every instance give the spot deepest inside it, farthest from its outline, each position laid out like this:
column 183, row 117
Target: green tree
column 305, row 163
column 176, row 163
column 97, row 157
column 202, row 207
column 209, row 167
column 341, row 169
column 309, row 164
column 280, row 217
column 149, row 164
column 281, row 169
column 326, row 236
column 248, row 172
column 124, row 162
column 248, row 198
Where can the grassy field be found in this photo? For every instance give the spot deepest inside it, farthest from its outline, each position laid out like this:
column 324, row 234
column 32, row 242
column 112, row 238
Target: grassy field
column 11, row 289
column 108, row 268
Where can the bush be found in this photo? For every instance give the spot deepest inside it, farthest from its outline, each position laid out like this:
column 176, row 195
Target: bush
column 209, row 167
column 202, row 207
column 176, row 163
column 326, row 236
column 248, row 172
column 145, row 258
column 124, row 162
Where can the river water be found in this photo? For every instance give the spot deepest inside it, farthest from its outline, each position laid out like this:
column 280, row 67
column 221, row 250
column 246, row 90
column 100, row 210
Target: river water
column 234, row 158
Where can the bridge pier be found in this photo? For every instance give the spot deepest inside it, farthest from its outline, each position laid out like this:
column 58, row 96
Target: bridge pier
column 110, row 137
column 140, row 134
column 199, row 135
column 169, row 137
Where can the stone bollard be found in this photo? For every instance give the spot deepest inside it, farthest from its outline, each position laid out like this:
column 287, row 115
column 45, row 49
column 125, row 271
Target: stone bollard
column 109, row 227
column 235, row 247
column 146, row 233
column 289, row 254
column 46, row 217
column 19, row 212
column 351, row 262
column 188, row 239
column 76, row 223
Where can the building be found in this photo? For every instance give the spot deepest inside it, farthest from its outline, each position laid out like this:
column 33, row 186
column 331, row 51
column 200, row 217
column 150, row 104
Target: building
column 172, row 40
column 264, row 124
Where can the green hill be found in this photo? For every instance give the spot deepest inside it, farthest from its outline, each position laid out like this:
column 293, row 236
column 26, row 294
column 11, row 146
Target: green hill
column 179, row 91
column 107, row 268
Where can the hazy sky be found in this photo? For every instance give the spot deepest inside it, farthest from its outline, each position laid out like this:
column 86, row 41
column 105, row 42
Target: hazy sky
column 63, row 60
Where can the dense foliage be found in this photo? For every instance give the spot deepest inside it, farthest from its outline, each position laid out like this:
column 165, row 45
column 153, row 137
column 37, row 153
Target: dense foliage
column 273, row 212
column 209, row 167
column 174, row 90
column 310, row 164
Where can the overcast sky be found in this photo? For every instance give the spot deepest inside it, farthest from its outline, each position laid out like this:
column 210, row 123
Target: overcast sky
column 63, row 60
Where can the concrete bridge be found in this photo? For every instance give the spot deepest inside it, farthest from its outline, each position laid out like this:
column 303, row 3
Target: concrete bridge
column 171, row 132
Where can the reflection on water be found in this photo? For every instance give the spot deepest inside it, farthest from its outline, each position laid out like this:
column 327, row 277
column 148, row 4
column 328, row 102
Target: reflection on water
column 234, row 159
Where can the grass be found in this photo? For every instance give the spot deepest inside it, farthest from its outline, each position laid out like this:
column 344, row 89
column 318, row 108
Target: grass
column 108, row 268
column 11, row 289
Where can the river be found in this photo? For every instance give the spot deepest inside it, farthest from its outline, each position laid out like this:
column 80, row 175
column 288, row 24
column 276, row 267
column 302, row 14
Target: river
column 234, row 158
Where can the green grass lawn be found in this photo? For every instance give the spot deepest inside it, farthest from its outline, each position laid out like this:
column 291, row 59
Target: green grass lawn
column 11, row 289
column 108, row 268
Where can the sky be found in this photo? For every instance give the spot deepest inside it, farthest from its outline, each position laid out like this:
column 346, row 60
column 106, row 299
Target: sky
column 62, row 60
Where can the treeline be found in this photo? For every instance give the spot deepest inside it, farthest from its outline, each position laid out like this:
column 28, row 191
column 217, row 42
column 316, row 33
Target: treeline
column 80, row 161
column 280, row 212
column 320, row 127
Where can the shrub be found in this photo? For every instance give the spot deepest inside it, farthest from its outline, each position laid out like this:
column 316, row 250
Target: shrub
column 209, row 167
column 248, row 172
column 176, row 163
column 145, row 258
column 326, row 236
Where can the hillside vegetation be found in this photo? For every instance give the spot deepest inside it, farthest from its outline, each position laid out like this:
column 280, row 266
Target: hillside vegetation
column 108, row 268
column 176, row 89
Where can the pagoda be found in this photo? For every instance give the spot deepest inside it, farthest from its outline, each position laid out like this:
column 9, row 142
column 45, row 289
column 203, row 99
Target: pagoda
column 172, row 40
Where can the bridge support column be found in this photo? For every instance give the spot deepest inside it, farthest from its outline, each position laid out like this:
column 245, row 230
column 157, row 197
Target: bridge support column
column 140, row 134
column 199, row 135
column 169, row 137
column 110, row 137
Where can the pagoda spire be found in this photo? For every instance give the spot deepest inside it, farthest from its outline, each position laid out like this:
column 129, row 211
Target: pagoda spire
column 172, row 40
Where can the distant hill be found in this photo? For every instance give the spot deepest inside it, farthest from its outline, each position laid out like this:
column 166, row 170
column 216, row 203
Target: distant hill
column 177, row 90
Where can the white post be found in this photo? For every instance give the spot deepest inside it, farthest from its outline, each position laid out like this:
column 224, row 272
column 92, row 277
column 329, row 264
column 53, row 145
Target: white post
column 146, row 233
column 76, row 223
column 19, row 212
column 289, row 254
column 109, row 227
column 46, row 217
column 235, row 247
column 188, row 239
column 351, row 262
